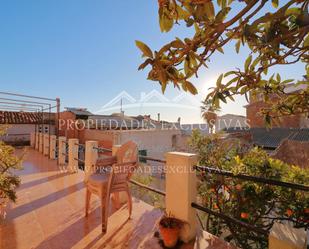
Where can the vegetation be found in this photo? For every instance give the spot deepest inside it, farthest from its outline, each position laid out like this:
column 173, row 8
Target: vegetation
column 274, row 31
column 8, row 181
column 209, row 114
column 147, row 196
column 255, row 203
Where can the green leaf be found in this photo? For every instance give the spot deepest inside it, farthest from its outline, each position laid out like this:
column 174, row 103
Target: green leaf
column 221, row 97
column 237, row 46
column 268, row 120
column 275, row 3
column 219, row 81
column 220, row 49
column 216, row 101
column 191, row 88
column 144, row 48
column 248, row 62
column 163, row 87
column 162, row 77
column 293, row 11
column 145, row 64
column 229, row 73
column 166, row 23
column 210, row 10
column 255, row 62
column 306, row 42
column 222, row 14
column 181, row 13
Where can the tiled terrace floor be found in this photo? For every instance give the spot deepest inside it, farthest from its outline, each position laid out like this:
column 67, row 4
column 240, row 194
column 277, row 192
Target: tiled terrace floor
column 49, row 214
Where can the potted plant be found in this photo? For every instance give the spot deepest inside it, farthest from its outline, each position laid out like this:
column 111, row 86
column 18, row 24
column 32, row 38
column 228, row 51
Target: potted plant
column 169, row 227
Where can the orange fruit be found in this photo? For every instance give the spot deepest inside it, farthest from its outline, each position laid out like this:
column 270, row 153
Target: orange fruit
column 289, row 212
column 238, row 187
column 244, row 215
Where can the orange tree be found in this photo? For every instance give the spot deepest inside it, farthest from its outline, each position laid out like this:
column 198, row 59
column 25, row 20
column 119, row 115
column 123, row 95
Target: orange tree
column 255, row 203
column 275, row 36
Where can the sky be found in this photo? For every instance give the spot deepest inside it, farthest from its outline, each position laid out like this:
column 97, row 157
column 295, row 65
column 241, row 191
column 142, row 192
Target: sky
column 83, row 51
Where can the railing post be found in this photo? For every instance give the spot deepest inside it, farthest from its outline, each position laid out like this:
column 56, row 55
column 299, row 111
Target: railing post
column 91, row 156
column 37, row 137
column 73, row 154
column 52, row 147
column 115, row 149
column 46, row 144
column 32, row 139
column 41, row 142
column 61, row 151
column 181, row 191
column 284, row 236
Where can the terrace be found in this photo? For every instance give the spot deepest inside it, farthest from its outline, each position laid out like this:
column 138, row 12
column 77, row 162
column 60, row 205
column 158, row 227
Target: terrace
column 50, row 208
column 49, row 213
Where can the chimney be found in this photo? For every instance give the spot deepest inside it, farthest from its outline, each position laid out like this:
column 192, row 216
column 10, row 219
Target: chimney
column 158, row 117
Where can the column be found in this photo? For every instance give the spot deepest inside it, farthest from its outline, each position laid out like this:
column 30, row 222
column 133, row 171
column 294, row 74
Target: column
column 73, row 154
column 46, row 144
column 181, row 191
column 61, row 151
column 52, row 147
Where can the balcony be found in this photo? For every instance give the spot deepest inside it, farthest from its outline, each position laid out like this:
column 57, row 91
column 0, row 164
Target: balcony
column 49, row 213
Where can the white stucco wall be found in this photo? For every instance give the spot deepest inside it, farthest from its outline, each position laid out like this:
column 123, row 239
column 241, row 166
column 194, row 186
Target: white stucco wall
column 156, row 142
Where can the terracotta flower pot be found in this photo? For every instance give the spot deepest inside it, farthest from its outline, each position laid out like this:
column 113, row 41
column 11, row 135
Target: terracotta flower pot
column 169, row 236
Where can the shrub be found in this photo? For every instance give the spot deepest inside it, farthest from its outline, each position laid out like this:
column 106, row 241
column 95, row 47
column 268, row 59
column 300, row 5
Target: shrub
column 8, row 180
column 258, row 204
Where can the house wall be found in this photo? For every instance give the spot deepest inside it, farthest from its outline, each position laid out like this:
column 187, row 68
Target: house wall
column 256, row 120
column 231, row 121
column 182, row 143
column 106, row 138
column 156, row 142
column 66, row 126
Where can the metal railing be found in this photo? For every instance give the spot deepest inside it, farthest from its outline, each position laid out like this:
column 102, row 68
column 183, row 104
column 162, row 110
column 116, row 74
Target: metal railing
column 102, row 149
column 81, row 151
column 147, row 158
column 229, row 219
column 152, row 189
column 252, row 178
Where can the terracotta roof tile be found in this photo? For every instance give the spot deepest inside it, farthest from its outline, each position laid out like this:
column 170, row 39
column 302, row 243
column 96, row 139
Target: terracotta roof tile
column 7, row 117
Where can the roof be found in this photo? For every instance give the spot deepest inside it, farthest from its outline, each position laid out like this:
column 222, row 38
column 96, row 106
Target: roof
column 7, row 117
column 114, row 121
column 301, row 135
column 187, row 129
column 229, row 115
column 271, row 138
column 79, row 111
